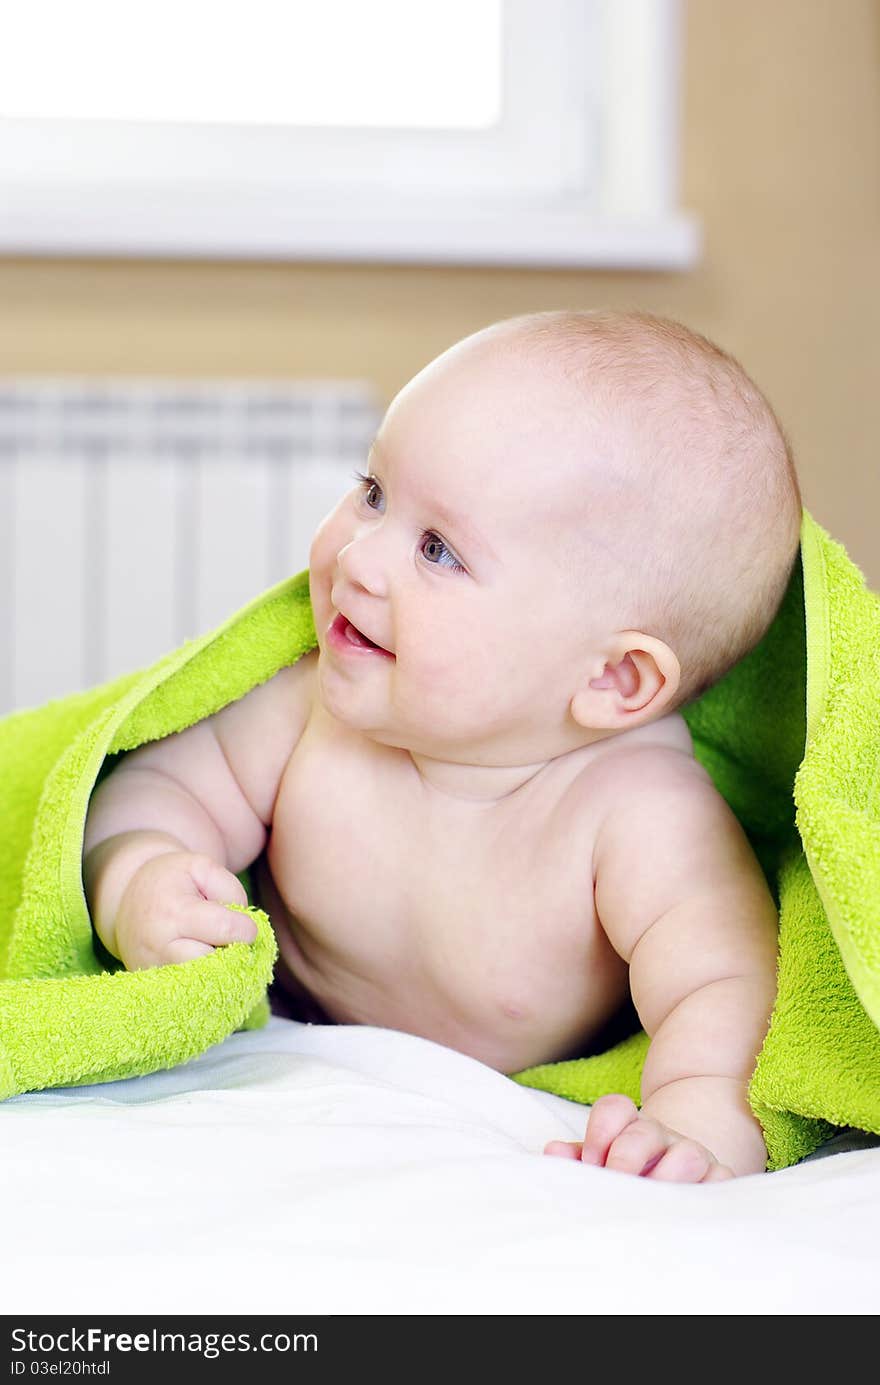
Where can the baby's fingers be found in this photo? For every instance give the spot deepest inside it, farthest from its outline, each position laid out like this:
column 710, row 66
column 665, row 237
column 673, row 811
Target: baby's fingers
column 564, row 1149
column 685, row 1161
column 215, row 881
column 639, row 1148
column 211, row 923
column 185, row 950
column 719, row 1173
column 608, row 1118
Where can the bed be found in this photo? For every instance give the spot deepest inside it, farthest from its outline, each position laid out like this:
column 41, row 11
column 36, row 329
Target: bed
column 351, row 1170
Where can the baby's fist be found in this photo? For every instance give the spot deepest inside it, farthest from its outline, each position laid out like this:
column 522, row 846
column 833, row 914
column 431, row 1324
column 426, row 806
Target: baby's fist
column 173, row 909
column 619, row 1137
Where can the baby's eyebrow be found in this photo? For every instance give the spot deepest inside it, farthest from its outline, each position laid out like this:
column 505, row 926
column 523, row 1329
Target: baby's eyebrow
column 457, row 524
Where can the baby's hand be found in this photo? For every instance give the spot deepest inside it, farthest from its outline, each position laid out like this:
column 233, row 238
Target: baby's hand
column 172, row 910
column 619, row 1137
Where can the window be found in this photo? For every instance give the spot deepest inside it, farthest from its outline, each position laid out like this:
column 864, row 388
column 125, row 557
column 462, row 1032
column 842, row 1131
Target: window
column 469, row 131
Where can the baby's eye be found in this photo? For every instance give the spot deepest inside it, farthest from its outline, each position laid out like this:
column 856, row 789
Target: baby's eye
column 370, row 489
column 433, row 548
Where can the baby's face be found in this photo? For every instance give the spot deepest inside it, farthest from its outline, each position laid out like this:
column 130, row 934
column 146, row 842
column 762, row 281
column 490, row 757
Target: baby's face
column 462, row 555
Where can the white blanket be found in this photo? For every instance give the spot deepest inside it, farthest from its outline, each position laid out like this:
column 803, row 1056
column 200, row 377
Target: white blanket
column 311, row 1169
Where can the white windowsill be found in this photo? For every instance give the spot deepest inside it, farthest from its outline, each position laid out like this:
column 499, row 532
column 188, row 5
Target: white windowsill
column 168, row 223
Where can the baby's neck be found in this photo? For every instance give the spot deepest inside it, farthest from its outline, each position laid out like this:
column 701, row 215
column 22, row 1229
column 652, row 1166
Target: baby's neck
column 475, row 783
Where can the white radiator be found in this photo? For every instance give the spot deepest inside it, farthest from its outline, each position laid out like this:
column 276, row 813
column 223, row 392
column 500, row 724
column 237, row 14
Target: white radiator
column 136, row 514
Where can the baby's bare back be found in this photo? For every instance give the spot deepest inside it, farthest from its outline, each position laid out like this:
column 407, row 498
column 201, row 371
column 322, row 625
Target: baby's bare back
column 467, row 922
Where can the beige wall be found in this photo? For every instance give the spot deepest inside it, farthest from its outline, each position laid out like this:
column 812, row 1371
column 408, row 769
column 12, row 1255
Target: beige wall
column 781, row 162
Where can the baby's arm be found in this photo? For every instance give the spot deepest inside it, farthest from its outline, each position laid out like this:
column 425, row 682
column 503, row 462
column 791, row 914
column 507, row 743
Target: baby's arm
column 683, row 900
column 172, row 823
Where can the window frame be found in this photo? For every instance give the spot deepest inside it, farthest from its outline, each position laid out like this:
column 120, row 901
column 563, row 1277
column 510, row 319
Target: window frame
column 581, row 171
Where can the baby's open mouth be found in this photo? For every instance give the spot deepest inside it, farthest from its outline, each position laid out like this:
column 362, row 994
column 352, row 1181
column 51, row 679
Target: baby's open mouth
column 358, row 637
column 343, row 629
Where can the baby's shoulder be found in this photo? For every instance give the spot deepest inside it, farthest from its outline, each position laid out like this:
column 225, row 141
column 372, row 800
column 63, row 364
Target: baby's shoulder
column 659, row 803
column 652, row 769
column 668, row 733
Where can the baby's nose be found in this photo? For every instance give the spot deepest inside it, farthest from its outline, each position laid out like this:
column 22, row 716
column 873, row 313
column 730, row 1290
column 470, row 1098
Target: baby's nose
column 360, row 562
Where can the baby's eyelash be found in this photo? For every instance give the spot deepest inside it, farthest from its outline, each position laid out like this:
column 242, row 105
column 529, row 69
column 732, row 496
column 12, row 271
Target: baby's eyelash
column 365, row 482
column 453, row 565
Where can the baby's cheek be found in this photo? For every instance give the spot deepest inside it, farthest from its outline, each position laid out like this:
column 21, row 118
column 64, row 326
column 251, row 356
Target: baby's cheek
column 463, row 680
column 324, row 547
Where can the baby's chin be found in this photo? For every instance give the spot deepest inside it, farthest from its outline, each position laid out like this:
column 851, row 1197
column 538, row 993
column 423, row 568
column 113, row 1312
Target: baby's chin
column 351, row 709
column 410, row 741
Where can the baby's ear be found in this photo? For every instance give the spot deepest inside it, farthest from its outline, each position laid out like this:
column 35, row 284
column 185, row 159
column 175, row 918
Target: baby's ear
column 639, row 680
column 623, row 676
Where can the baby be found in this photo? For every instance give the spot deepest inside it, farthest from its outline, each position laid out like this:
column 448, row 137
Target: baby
column 473, row 812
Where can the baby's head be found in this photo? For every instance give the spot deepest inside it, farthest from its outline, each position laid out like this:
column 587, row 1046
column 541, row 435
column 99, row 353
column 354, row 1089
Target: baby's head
column 689, row 487
column 575, row 523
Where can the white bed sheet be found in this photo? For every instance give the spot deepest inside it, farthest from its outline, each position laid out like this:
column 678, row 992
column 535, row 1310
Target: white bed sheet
column 319, row 1169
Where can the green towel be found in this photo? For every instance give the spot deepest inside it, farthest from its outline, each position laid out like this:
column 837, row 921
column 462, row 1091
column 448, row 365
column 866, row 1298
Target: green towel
column 69, row 1013
column 788, row 737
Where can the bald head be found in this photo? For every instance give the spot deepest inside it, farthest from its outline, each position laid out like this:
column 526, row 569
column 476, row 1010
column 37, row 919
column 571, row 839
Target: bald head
column 690, row 501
